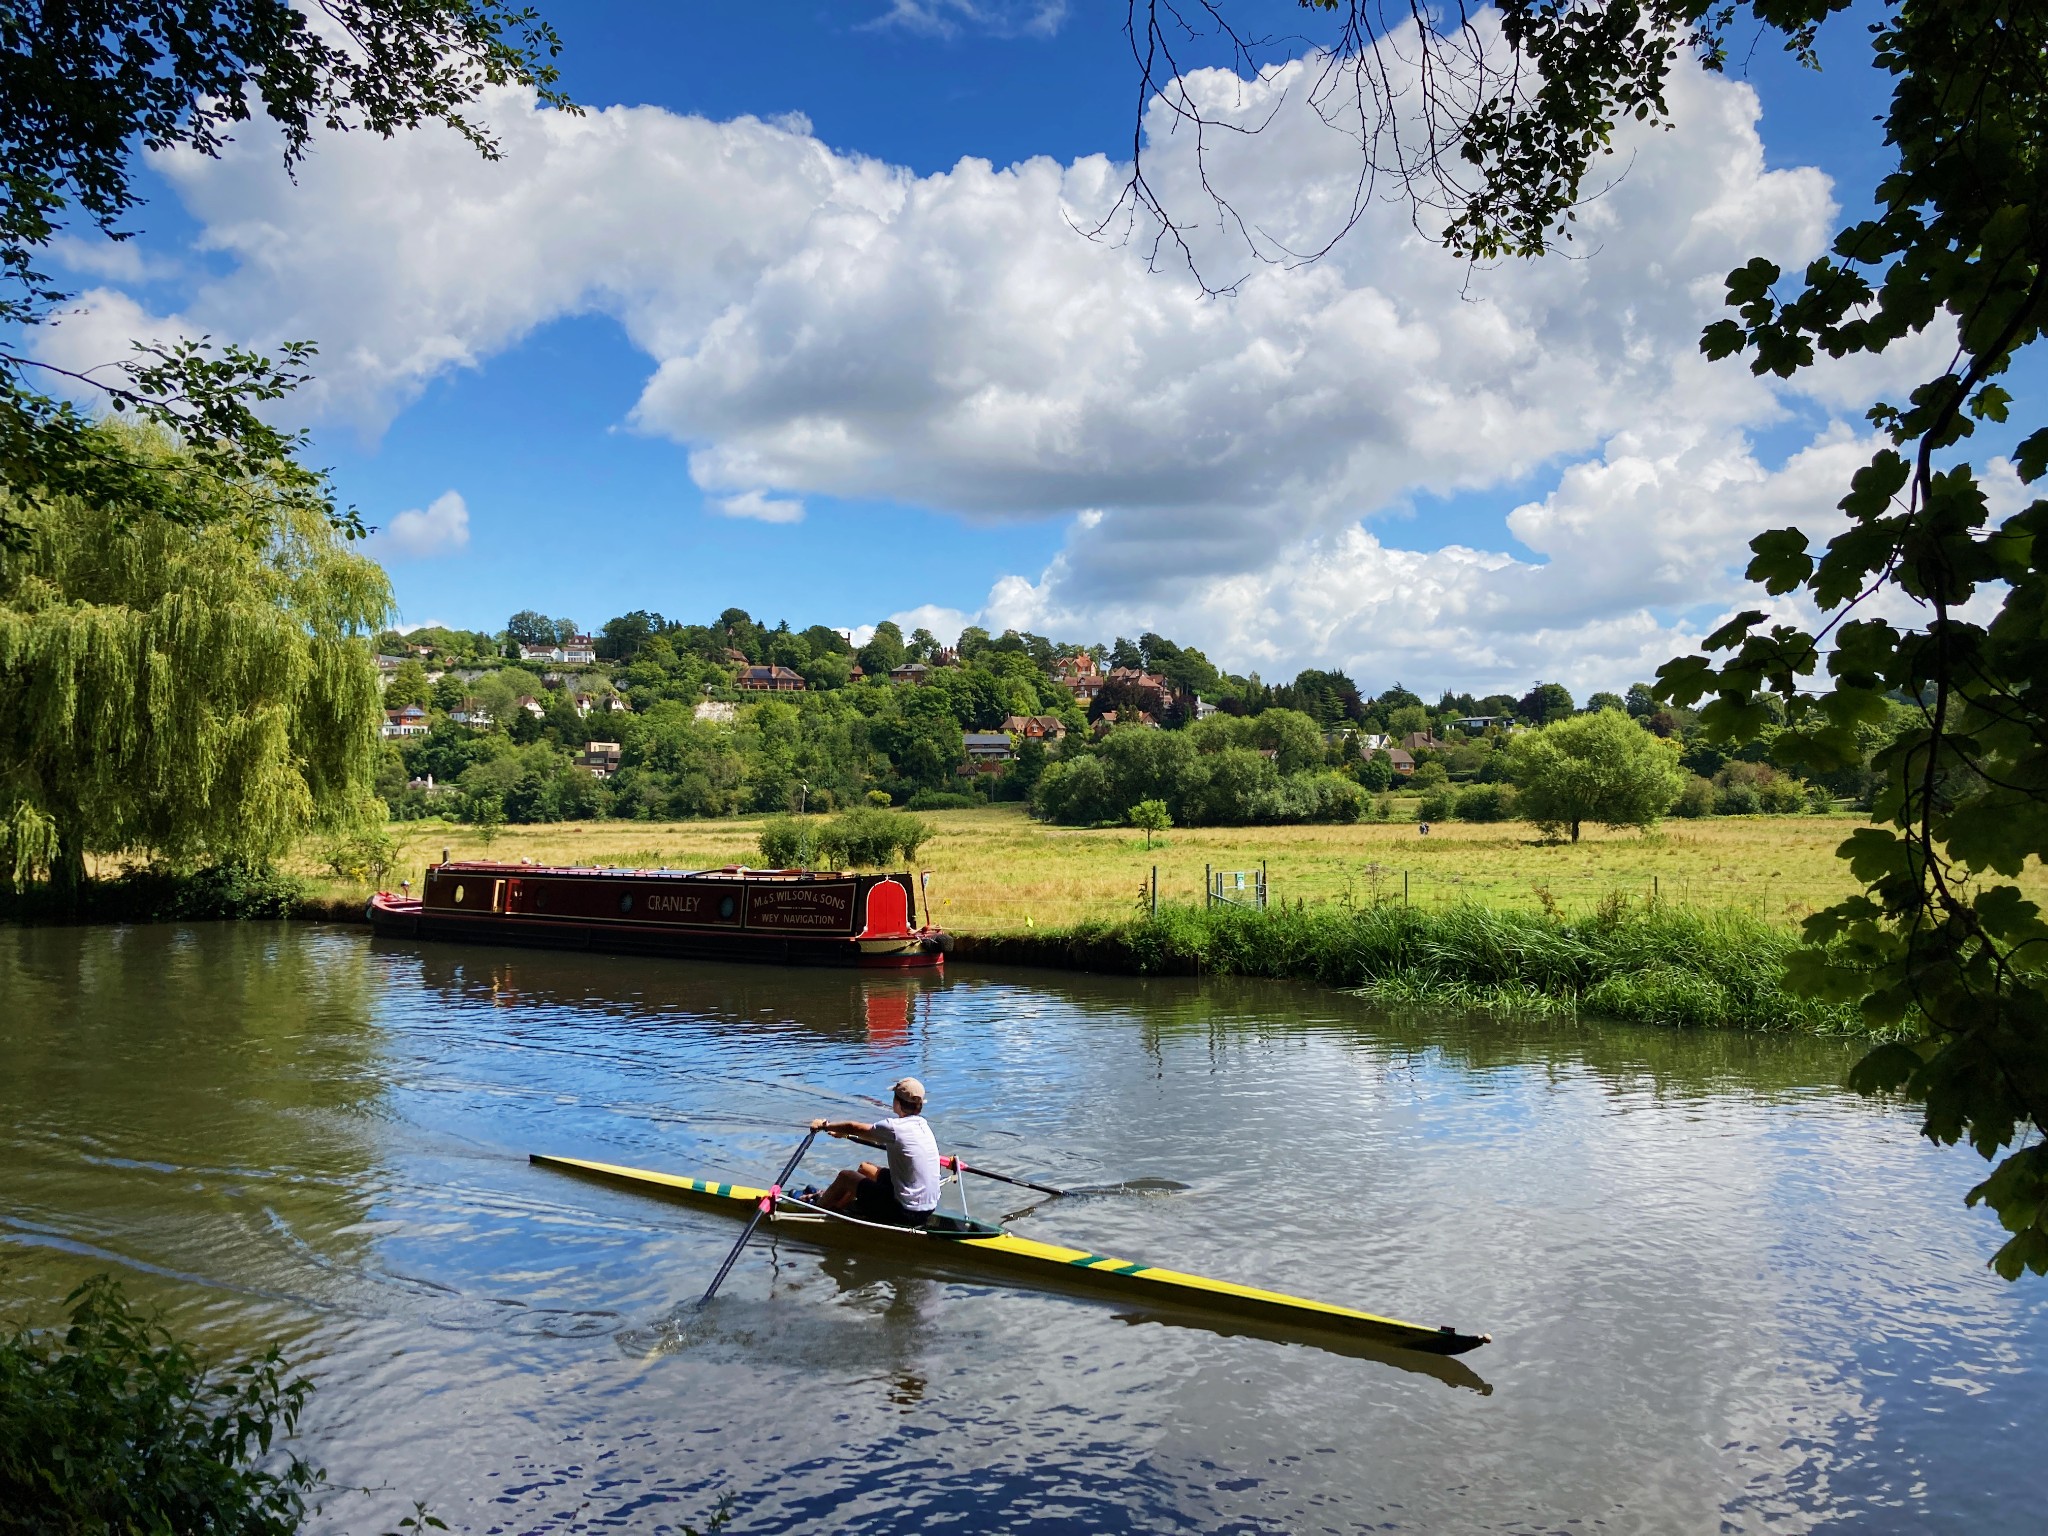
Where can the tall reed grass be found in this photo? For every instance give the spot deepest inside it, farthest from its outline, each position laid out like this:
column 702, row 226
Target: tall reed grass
column 1650, row 964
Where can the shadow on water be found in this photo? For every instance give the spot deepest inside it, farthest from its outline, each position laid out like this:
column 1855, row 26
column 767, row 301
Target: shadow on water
column 891, row 1311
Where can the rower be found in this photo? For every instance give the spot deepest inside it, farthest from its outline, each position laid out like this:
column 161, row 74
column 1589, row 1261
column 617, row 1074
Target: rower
column 905, row 1193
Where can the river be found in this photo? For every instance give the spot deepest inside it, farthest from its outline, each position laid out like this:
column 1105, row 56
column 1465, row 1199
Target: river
column 1725, row 1294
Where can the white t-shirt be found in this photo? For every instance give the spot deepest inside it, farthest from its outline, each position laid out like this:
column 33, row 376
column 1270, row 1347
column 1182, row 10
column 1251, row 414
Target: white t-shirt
column 913, row 1161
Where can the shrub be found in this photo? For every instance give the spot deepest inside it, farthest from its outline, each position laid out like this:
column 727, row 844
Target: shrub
column 1437, row 804
column 115, row 1426
column 866, row 838
column 1487, row 802
column 789, row 842
column 1696, row 798
column 941, row 800
column 1737, row 800
column 1782, row 795
column 879, row 799
column 362, row 858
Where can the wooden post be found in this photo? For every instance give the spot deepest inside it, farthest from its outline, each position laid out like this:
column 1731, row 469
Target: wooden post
column 1404, row 887
column 1155, row 890
column 1208, row 888
column 1262, row 885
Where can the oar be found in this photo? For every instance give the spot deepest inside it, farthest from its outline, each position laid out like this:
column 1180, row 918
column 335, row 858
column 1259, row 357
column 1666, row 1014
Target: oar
column 1003, row 1178
column 767, row 1204
column 1128, row 1187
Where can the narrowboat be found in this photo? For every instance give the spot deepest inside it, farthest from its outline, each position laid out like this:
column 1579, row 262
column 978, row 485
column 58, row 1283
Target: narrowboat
column 780, row 916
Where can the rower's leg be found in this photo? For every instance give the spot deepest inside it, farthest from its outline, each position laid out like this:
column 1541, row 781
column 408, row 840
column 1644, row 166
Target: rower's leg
column 839, row 1193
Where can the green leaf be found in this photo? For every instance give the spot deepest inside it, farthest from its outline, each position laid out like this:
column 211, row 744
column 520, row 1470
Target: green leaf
column 1888, row 1069
column 2031, row 457
column 1782, row 563
column 1734, row 631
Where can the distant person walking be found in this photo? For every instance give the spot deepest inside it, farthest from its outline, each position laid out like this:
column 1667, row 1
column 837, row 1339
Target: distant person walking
column 905, row 1193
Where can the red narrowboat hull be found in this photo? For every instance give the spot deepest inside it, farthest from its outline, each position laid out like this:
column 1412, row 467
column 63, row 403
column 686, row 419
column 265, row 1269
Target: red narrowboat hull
column 775, row 917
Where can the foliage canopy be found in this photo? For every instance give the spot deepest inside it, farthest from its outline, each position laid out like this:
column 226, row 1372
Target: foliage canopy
column 200, row 692
column 1603, row 768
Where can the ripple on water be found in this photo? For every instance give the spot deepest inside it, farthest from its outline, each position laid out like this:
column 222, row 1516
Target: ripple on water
column 1725, row 1295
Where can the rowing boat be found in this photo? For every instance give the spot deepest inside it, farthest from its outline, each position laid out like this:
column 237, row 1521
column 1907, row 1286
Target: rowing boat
column 953, row 1239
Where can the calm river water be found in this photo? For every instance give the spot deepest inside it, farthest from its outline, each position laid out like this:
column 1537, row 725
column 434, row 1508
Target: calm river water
column 1725, row 1295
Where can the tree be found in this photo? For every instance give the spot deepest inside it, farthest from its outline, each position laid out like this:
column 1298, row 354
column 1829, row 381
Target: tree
column 1151, row 816
column 528, row 627
column 884, row 652
column 200, row 692
column 1641, row 701
column 1600, row 701
column 1544, row 703
column 1295, row 740
column 408, row 685
column 1941, row 942
column 85, row 88
column 1602, row 768
column 623, row 638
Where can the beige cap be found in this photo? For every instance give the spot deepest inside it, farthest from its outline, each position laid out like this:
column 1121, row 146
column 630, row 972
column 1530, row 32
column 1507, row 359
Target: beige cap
column 909, row 1090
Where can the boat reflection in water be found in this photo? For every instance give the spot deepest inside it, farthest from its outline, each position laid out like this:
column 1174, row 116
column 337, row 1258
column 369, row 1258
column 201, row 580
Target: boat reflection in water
column 882, row 1007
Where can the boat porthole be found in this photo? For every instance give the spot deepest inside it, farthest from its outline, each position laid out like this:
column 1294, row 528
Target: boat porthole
column 625, row 903
column 725, row 907
column 458, row 894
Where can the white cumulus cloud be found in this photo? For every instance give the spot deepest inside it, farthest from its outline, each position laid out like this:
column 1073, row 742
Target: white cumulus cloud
column 440, row 528
column 759, row 507
column 821, row 324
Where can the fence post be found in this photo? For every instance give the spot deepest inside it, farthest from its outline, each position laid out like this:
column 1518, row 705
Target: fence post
column 1653, row 890
column 1208, row 888
column 1404, row 887
column 1262, row 885
column 1155, row 890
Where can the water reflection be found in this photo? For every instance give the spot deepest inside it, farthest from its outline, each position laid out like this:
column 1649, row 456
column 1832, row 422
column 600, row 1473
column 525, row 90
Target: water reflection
column 1724, row 1293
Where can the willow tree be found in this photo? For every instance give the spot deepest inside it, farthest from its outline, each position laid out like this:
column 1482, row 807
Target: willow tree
column 197, row 692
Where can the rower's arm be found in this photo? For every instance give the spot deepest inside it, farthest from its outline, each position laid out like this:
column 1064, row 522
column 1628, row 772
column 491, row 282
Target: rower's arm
column 859, row 1130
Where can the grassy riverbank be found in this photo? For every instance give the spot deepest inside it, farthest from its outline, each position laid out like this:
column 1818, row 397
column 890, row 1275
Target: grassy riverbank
column 1649, row 965
column 997, row 871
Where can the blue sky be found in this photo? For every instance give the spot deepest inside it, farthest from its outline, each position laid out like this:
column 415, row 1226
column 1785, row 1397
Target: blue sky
column 619, row 359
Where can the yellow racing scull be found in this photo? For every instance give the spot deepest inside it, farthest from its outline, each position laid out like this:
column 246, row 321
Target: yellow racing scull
column 954, row 1239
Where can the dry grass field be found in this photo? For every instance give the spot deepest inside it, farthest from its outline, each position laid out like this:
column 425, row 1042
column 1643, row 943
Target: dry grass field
column 997, row 871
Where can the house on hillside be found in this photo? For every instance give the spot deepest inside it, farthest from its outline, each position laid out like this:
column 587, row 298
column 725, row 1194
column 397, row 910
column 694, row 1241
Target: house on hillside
column 914, row 672
column 600, row 759
column 1475, row 724
column 398, row 723
column 576, row 651
column 1157, row 693
column 472, row 714
column 1078, row 675
column 1036, row 727
column 989, row 747
column 1403, row 762
column 1110, row 719
column 1422, row 741
column 533, row 706
column 769, row 680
